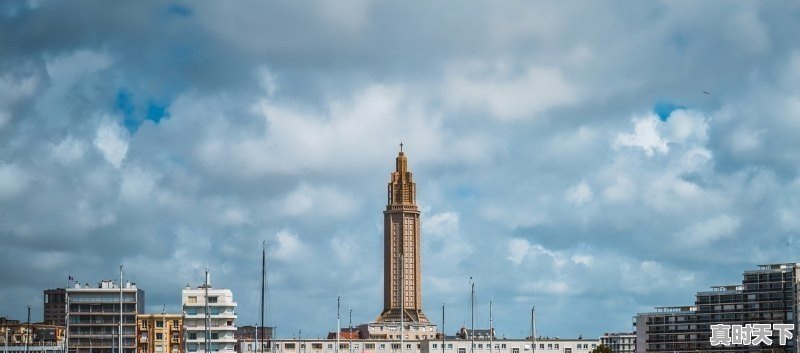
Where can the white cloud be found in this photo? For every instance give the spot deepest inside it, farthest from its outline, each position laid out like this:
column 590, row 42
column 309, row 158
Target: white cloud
column 509, row 95
column 13, row 180
column 710, row 231
column 112, row 141
column 579, row 194
column 289, row 248
column 138, row 185
column 68, row 150
column 645, row 136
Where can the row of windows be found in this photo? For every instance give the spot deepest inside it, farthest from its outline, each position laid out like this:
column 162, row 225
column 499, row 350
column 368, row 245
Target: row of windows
column 192, row 299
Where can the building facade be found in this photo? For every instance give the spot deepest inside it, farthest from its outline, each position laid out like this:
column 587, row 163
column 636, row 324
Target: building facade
column 94, row 317
column 159, row 333
column 402, row 264
column 219, row 334
column 619, row 342
column 55, row 306
column 767, row 295
column 449, row 345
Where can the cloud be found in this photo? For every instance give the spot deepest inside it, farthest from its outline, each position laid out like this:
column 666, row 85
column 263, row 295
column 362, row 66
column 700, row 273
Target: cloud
column 112, row 141
column 579, row 194
column 507, row 94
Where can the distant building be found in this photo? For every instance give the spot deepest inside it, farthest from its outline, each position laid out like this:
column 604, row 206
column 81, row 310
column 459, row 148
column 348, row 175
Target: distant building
column 35, row 337
column 248, row 333
column 619, row 342
column 221, row 316
column 480, row 334
column 159, row 333
column 94, row 317
column 55, row 306
column 767, row 295
column 450, row 345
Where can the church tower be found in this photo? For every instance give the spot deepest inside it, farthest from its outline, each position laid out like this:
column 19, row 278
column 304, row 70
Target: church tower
column 401, row 249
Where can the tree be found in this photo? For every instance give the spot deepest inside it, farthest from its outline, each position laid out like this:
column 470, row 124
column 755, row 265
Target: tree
column 602, row 349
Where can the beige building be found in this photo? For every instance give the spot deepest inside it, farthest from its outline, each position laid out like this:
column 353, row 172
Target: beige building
column 159, row 333
column 402, row 264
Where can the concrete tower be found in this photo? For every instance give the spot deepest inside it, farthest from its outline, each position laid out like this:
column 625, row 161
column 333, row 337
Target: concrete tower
column 401, row 245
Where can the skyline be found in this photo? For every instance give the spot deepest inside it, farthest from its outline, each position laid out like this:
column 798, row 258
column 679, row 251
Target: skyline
column 594, row 160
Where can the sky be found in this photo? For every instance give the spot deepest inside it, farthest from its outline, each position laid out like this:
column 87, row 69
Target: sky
column 565, row 153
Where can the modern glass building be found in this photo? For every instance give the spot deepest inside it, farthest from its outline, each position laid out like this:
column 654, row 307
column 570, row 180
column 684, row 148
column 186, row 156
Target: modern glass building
column 767, row 295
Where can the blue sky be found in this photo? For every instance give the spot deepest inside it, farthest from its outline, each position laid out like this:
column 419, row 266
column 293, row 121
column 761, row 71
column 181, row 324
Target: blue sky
column 565, row 153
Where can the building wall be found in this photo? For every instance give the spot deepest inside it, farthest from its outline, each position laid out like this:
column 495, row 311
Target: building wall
column 159, row 333
column 222, row 310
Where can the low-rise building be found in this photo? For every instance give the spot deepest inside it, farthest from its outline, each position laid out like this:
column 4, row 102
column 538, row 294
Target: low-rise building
column 17, row 337
column 619, row 342
column 159, row 333
column 449, row 345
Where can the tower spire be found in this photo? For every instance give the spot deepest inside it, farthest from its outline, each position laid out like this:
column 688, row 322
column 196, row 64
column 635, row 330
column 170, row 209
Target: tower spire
column 402, row 290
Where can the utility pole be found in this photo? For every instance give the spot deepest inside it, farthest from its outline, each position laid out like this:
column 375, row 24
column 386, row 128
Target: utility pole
column 299, row 340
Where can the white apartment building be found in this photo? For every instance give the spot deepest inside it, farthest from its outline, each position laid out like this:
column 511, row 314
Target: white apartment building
column 450, row 345
column 222, row 318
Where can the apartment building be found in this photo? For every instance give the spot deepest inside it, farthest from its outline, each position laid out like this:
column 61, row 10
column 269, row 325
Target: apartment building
column 159, row 333
column 449, row 345
column 94, row 317
column 219, row 334
column 619, row 342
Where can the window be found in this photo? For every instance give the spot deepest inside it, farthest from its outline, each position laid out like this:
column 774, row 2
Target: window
column 549, row 346
column 343, row 346
column 480, row 345
column 175, row 323
column 503, row 346
column 289, row 345
column 369, row 345
column 541, row 345
column 449, row 346
column 159, row 336
column 556, row 345
column 192, row 300
column 192, row 348
column 212, row 300
column 586, row 346
column 434, row 346
column 144, row 324
column 383, row 346
column 215, row 335
column 462, row 350
column 408, row 346
column 192, row 335
column 159, row 323
column 316, row 346
column 330, row 346
column 514, row 350
column 567, row 350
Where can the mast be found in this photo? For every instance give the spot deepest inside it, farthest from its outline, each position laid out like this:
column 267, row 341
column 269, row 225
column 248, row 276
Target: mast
column 66, row 316
column 533, row 328
column 472, row 315
column 338, row 322
column 207, row 318
column 349, row 333
column 491, row 329
column 263, row 287
column 27, row 331
column 443, row 332
column 119, row 337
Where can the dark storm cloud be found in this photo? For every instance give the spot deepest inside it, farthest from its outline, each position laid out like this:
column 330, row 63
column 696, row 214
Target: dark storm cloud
column 175, row 137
